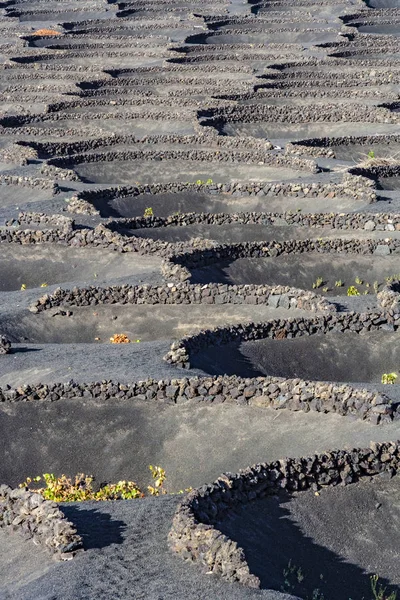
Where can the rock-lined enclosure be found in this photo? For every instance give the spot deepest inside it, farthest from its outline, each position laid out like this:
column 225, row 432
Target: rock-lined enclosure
column 274, row 392
column 195, row 536
column 133, row 138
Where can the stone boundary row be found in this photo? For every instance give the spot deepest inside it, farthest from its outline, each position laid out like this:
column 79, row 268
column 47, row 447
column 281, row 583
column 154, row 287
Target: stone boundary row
column 339, row 221
column 306, row 92
column 291, row 114
column 99, row 237
column 32, row 218
column 292, row 327
column 322, row 146
column 265, row 392
column 180, row 257
column 352, row 186
column 193, row 154
column 177, row 267
column 330, row 79
column 181, row 351
column 42, row 521
column 32, row 182
column 5, row 345
column 184, row 293
column 375, row 172
column 51, row 149
column 17, row 154
column 194, row 534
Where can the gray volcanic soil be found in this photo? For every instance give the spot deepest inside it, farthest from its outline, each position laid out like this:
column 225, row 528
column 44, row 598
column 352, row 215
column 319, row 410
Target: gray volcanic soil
column 236, row 233
column 154, row 69
column 127, row 557
column 127, row 553
column 147, row 323
column 303, row 270
column 311, row 532
column 333, row 356
column 167, row 204
column 50, row 264
column 116, row 439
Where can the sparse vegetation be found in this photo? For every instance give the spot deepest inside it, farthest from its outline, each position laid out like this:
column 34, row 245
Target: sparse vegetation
column 121, row 338
column 46, row 32
column 352, row 291
column 389, row 378
column 159, row 476
column 379, row 592
column 201, row 182
column 318, row 283
column 148, row 212
column 294, row 576
column 80, row 488
column 392, row 278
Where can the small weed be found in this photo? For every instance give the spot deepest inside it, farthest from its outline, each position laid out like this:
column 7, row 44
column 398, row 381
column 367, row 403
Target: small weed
column 379, row 592
column 159, row 477
column 294, row 576
column 201, row 182
column 318, row 283
column 392, row 278
column 148, row 212
column 23, row 287
column 375, row 285
column 339, row 283
column 389, row 378
column 325, row 289
column 371, row 154
column 358, row 281
column 353, row 291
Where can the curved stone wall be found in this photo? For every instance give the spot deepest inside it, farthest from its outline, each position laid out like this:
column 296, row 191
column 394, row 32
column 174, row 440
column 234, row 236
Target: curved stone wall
column 184, row 293
column 178, row 266
column 194, row 536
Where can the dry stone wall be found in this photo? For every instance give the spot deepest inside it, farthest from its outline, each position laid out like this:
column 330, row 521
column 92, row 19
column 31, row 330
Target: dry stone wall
column 265, row 392
column 194, row 534
column 37, row 519
column 178, row 266
column 185, row 293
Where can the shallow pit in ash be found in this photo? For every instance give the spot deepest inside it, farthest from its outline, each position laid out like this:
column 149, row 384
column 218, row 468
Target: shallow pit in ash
column 169, row 203
column 190, row 171
column 329, row 274
column 302, row 543
column 334, row 356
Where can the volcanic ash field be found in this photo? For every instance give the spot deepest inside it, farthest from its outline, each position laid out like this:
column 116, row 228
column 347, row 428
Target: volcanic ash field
column 199, row 271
